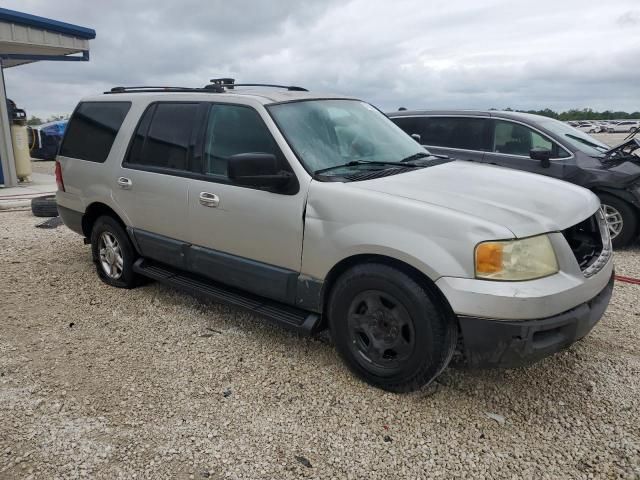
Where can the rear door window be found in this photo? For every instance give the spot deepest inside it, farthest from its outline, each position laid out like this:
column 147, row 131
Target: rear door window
column 163, row 136
column 448, row 132
column 92, row 130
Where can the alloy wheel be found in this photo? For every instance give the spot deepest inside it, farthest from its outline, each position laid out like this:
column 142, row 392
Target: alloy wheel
column 110, row 255
column 614, row 220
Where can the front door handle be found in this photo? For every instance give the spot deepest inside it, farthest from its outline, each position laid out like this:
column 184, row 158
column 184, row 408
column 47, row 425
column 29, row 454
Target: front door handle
column 209, row 199
column 125, row 183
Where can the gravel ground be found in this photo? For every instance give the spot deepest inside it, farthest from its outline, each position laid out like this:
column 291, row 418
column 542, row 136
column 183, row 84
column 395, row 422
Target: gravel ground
column 151, row 383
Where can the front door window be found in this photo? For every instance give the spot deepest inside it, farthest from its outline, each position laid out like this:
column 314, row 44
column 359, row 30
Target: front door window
column 517, row 139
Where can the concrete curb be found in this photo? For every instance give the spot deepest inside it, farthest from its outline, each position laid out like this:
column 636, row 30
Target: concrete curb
column 14, row 204
column 10, row 202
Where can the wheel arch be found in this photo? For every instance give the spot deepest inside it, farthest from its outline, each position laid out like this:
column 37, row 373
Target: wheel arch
column 360, row 259
column 619, row 193
column 93, row 212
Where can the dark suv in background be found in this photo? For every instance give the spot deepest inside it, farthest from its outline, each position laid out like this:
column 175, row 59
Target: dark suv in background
column 541, row 145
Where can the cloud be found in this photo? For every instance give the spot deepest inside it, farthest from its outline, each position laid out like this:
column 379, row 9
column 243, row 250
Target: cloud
column 413, row 53
column 629, row 19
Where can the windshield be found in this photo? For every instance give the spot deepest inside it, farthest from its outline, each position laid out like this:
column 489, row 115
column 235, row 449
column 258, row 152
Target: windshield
column 329, row 133
column 576, row 138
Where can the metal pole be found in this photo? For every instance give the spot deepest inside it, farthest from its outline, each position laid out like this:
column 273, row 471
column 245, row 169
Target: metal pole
column 7, row 162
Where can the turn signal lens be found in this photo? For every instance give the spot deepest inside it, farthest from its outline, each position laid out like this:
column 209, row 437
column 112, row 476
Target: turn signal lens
column 489, row 258
column 516, row 260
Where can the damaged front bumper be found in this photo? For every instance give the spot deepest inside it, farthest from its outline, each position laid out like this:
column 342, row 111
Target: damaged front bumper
column 508, row 344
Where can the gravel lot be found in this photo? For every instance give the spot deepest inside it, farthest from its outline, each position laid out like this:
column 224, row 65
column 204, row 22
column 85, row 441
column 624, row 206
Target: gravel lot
column 107, row 383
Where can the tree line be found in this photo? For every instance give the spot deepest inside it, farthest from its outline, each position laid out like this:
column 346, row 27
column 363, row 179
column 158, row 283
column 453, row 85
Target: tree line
column 584, row 114
column 35, row 121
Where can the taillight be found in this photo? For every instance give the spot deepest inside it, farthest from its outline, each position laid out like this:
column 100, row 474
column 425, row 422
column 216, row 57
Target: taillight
column 59, row 180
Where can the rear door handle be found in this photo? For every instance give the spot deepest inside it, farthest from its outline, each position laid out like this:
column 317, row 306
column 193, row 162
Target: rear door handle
column 209, row 199
column 125, row 183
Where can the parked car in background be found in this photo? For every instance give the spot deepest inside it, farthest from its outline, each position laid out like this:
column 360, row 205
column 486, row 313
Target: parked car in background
column 589, row 127
column 626, row 126
column 541, row 145
column 45, row 139
column 317, row 211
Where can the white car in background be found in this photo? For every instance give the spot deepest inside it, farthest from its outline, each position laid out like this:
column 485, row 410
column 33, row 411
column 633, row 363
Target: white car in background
column 624, row 126
column 588, row 127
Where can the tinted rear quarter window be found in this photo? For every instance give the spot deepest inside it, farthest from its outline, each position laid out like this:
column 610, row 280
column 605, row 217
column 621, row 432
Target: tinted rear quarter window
column 93, row 129
column 448, row 132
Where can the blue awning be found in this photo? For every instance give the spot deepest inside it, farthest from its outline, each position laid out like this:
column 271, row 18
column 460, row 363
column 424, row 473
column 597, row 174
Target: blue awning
column 46, row 24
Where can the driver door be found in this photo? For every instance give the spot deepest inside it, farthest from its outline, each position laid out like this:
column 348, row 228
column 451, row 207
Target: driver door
column 511, row 146
column 242, row 236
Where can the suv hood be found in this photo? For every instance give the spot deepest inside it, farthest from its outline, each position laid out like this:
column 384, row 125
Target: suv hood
column 525, row 203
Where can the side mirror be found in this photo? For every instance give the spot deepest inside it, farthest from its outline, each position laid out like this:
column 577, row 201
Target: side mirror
column 542, row 154
column 417, row 138
column 256, row 170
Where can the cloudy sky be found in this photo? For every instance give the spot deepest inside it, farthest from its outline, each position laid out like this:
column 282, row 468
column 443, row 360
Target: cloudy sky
column 415, row 53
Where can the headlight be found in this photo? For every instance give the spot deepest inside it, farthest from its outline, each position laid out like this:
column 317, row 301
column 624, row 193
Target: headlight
column 524, row 259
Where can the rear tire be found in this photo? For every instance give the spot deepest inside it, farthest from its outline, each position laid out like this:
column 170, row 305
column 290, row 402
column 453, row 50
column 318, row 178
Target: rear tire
column 390, row 331
column 623, row 216
column 113, row 253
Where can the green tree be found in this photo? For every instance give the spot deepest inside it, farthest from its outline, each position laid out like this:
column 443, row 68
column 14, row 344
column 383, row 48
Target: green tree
column 55, row 118
column 34, row 121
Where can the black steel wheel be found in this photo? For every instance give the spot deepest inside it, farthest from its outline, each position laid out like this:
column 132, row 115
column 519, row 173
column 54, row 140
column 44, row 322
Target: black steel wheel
column 391, row 330
column 381, row 332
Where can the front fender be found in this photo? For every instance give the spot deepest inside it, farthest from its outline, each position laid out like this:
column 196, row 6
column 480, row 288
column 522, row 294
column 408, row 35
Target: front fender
column 342, row 221
column 327, row 244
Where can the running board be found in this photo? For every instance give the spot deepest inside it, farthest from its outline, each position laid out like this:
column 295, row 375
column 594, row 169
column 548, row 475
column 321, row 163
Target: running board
column 289, row 317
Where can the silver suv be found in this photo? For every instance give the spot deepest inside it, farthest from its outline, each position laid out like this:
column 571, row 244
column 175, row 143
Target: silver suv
column 318, row 212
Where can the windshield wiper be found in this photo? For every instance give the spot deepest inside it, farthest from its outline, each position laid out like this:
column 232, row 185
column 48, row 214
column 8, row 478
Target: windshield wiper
column 415, row 156
column 354, row 163
column 587, row 142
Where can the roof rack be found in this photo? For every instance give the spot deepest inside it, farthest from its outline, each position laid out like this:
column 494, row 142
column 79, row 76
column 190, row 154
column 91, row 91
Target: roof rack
column 217, row 85
column 230, row 83
column 154, row 89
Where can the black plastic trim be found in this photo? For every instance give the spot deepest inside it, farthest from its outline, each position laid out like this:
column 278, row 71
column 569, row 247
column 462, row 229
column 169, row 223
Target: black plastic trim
column 292, row 318
column 163, row 249
column 257, row 277
column 516, row 343
column 309, row 293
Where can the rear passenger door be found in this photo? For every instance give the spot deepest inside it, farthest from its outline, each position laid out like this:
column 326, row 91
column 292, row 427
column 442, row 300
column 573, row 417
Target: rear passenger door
column 152, row 185
column 511, row 146
column 246, row 237
column 459, row 137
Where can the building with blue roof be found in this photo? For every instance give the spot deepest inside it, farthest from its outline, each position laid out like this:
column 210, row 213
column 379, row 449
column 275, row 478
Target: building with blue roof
column 26, row 38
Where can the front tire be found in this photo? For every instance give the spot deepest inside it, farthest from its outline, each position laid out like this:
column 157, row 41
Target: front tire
column 621, row 218
column 391, row 331
column 113, row 253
